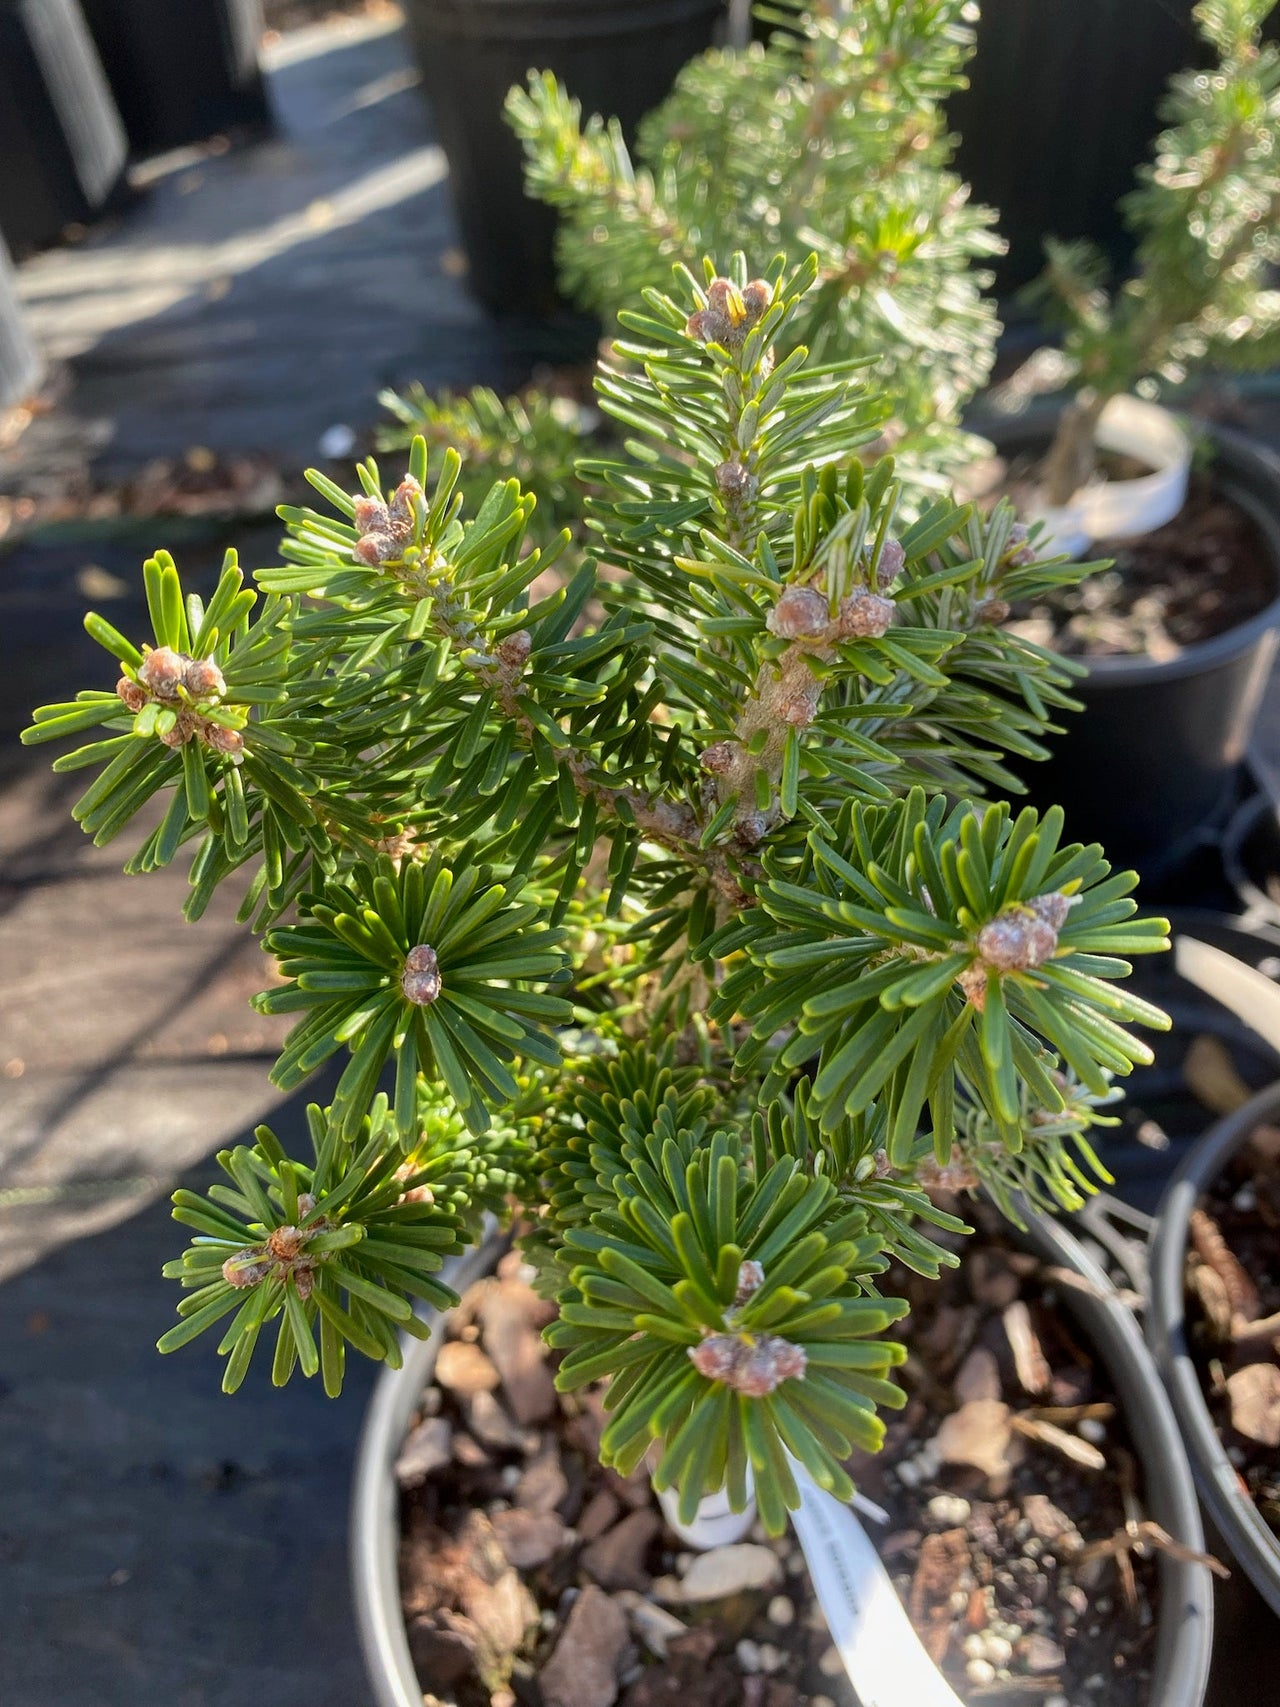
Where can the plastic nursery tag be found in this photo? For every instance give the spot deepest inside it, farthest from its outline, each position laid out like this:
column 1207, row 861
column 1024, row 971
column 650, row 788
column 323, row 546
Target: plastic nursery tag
column 882, row 1654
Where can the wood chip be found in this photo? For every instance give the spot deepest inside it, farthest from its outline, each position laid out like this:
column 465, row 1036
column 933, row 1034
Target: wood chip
column 1212, row 1249
column 1254, row 1394
column 980, row 1434
column 1029, row 1360
column 944, row 1559
column 1069, row 1445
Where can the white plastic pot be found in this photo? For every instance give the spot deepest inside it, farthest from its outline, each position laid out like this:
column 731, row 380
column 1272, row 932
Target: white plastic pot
column 1119, row 509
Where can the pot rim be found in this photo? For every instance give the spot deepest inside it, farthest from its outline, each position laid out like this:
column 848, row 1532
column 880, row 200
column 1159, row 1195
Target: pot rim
column 1240, row 459
column 1233, row 1513
column 1184, row 1640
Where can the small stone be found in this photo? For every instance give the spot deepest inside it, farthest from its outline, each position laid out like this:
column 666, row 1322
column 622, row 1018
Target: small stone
column 543, row 1485
column 616, row 1560
column 491, row 1425
column 949, row 1510
column 980, row 1673
column 1041, row 1655
column 781, row 1611
column 654, row 1625
column 584, row 1669
column 529, row 1538
column 600, row 1511
column 1092, row 1429
column 747, row 1654
column 511, row 1319
column 974, row 1646
column 1048, row 1524
column 771, row 1658
column 740, row 1568
column 468, row 1452
column 427, row 1449
column 999, row 1650
column 443, row 1651
column 464, row 1369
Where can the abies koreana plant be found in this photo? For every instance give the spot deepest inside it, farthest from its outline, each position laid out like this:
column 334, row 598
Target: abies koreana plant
column 831, row 140
column 643, row 888
column 1206, row 216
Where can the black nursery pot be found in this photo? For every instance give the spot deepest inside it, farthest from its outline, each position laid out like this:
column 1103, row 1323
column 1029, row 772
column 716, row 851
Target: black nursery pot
column 618, row 57
column 1152, row 759
column 1074, row 87
column 181, row 70
column 62, row 145
column 1231, row 1511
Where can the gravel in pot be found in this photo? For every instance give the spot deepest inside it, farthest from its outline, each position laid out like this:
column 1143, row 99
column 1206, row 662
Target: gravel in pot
column 1017, row 1530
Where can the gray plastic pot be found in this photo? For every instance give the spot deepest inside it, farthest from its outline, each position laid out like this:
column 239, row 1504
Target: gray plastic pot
column 1184, row 1640
column 1232, row 1512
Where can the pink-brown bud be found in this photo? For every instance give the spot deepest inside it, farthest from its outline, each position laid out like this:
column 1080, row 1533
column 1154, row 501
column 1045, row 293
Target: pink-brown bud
column 1016, row 940
column 1017, row 551
column 133, row 695
column 709, row 327
column 750, row 1280
column 754, row 1365
column 865, row 616
column 892, row 560
column 285, row 1243
column 801, row 613
column 734, row 480
column 371, row 516
column 223, row 740
column 717, row 1357
column 1052, row 908
column 180, row 733
column 420, row 980
column 375, row 548
column 992, row 611
column 718, row 757
column 403, row 513
column 163, row 671
column 203, row 679
column 306, row 1203
column 245, row 1268
column 756, row 297
column 515, row 649
column 304, row 1280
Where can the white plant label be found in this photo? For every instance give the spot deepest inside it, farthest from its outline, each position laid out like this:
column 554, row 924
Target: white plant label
column 882, row 1654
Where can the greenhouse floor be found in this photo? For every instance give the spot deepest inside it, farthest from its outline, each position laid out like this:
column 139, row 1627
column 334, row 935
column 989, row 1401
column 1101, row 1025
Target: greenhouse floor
column 161, row 1543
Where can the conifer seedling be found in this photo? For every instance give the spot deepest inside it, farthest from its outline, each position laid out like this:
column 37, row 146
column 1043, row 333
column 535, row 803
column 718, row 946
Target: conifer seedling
column 657, row 889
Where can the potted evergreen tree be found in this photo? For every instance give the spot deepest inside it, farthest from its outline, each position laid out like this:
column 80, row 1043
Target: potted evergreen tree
column 691, row 829
column 1179, row 647
column 833, row 140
